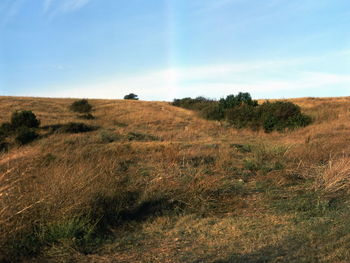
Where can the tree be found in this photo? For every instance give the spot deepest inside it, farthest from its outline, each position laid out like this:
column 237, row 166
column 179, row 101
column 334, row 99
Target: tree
column 131, row 96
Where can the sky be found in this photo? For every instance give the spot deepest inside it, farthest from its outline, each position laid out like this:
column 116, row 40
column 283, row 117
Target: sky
column 166, row 49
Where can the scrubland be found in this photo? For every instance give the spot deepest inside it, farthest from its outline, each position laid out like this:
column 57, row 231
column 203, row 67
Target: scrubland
column 156, row 183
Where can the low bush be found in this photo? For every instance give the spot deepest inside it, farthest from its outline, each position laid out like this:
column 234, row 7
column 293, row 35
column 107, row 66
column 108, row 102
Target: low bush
column 212, row 111
column 243, row 112
column 87, row 116
column 71, row 127
column 23, row 119
column 282, row 115
column 74, row 127
column 5, row 129
column 196, row 104
column 81, row 106
column 243, row 116
column 232, row 101
column 3, row 146
column 26, row 135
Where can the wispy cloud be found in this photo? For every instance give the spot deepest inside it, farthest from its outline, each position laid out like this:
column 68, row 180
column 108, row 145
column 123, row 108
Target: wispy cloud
column 59, row 6
column 47, row 5
column 9, row 10
column 72, row 5
column 214, row 81
column 208, row 5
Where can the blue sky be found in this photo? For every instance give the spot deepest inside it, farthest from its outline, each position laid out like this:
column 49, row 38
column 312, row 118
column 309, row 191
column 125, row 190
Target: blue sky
column 165, row 49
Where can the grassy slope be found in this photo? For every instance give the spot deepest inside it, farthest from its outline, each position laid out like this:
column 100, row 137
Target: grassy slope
column 185, row 190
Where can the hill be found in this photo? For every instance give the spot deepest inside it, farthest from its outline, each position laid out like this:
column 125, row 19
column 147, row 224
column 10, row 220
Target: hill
column 156, row 183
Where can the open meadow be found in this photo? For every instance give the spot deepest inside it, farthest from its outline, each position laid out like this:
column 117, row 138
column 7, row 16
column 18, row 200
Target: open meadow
column 156, row 183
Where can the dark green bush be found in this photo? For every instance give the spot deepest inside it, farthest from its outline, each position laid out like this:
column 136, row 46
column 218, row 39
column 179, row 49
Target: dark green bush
column 5, row 129
column 24, row 119
column 211, row 112
column 131, row 96
column 196, row 104
column 72, row 127
column 87, row 116
column 232, row 101
column 243, row 116
column 282, row 115
column 3, row 146
column 81, row 106
column 243, row 112
column 26, row 135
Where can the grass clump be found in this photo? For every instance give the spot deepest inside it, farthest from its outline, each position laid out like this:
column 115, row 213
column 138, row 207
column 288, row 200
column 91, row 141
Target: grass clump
column 81, row 106
column 136, row 136
column 108, row 137
column 78, row 233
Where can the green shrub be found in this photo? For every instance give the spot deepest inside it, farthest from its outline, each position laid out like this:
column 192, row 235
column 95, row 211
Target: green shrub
column 3, row 146
column 243, row 112
column 74, row 127
column 211, row 112
column 282, row 115
column 26, row 135
column 5, row 129
column 81, row 106
column 232, row 101
column 23, row 119
column 131, row 96
column 71, row 127
column 243, row 116
column 87, row 116
column 196, row 104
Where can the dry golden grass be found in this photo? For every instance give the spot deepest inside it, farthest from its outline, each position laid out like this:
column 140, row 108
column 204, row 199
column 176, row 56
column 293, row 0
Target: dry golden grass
column 336, row 178
column 183, row 194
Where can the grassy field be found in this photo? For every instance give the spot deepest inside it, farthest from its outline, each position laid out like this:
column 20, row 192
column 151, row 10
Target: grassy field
column 156, row 183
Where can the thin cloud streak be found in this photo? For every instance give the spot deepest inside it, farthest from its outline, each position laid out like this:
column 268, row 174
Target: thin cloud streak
column 204, row 6
column 72, row 5
column 10, row 11
column 47, row 5
column 212, row 81
column 65, row 6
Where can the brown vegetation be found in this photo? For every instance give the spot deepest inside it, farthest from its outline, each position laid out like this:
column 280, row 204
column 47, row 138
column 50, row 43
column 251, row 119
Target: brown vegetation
column 183, row 189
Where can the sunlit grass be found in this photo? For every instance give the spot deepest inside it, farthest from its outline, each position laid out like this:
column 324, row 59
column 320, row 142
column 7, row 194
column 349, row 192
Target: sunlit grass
column 156, row 183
